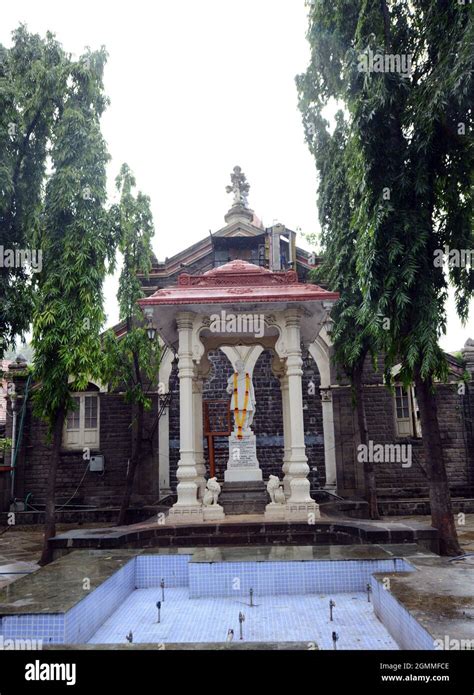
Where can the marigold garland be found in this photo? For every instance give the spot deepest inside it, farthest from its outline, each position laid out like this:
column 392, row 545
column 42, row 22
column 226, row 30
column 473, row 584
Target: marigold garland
column 239, row 421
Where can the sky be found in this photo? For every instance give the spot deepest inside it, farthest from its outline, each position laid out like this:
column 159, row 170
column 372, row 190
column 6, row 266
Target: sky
column 197, row 88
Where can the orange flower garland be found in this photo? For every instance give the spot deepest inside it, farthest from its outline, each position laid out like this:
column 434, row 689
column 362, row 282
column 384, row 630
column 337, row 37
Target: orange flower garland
column 239, row 421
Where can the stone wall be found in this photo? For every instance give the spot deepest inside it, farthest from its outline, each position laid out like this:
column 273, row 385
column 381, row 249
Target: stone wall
column 393, row 480
column 116, row 434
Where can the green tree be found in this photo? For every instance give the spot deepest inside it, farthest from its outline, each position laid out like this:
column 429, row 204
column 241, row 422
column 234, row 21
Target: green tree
column 131, row 362
column 411, row 166
column 77, row 242
column 32, row 82
column 352, row 339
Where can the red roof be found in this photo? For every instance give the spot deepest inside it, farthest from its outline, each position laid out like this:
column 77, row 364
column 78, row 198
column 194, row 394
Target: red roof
column 239, row 282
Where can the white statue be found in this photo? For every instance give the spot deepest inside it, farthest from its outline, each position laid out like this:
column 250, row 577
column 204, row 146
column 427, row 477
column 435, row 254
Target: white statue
column 274, row 489
column 242, row 403
column 212, row 492
column 240, row 188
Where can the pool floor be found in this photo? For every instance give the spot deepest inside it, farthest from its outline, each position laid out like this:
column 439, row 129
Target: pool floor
column 274, row 618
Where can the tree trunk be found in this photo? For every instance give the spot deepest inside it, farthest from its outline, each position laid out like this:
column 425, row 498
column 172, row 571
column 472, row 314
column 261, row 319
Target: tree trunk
column 50, row 516
column 440, row 497
column 369, row 470
column 134, row 461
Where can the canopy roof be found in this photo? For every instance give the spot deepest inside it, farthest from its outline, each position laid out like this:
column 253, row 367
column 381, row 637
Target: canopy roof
column 238, row 282
column 244, row 286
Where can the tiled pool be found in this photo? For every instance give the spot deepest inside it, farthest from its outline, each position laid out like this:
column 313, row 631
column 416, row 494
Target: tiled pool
column 204, row 593
column 285, row 617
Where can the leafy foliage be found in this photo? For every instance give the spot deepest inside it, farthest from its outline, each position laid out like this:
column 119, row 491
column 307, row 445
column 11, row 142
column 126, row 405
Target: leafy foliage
column 131, row 361
column 406, row 157
column 33, row 75
column 76, row 240
column 411, row 159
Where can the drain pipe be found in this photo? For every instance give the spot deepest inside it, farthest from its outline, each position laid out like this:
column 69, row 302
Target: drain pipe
column 13, row 398
column 16, row 440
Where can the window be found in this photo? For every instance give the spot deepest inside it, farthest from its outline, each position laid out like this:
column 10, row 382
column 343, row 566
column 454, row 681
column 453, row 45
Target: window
column 407, row 416
column 81, row 428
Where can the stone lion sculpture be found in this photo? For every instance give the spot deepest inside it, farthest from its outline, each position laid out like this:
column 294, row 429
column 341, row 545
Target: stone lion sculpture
column 211, row 495
column 277, row 496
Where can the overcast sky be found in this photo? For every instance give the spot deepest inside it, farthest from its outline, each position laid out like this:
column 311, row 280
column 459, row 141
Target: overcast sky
column 196, row 88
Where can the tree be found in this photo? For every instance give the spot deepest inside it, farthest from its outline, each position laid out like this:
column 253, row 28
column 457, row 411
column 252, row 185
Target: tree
column 77, row 242
column 352, row 339
column 32, row 81
column 404, row 73
column 131, row 362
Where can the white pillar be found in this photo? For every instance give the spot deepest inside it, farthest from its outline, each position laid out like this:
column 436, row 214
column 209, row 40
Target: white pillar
column 188, row 507
column 163, row 425
column 320, row 352
column 286, row 433
column 299, row 505
column 329, row 438
column 198, row 436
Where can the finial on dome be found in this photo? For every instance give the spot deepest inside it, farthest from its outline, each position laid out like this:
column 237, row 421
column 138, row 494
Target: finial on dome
column 240, row 188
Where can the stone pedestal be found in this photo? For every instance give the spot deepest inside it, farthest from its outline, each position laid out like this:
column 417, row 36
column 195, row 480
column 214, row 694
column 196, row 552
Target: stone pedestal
column 248, row 497
column 213, row 513
column 275, row 512
column 306, row 512
column 186, row 514
column 242, row 464
column 302, row 511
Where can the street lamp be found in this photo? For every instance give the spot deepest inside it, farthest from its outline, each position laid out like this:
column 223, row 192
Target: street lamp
column 150, row 329
column 151, row 332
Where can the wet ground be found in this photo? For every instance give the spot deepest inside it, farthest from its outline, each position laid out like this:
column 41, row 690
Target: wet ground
column 20, row 549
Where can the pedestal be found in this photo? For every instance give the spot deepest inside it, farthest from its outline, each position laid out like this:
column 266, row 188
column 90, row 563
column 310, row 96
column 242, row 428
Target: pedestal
column 213, row 513
column 302, row 511
column 185, row 515
column 247, row 497
column 275, row 512
column 242, row 464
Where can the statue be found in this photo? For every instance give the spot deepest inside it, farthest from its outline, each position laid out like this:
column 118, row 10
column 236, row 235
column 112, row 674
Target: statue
column 274, row 489
column 242, row 403
column 211, row 495
column 240, row 188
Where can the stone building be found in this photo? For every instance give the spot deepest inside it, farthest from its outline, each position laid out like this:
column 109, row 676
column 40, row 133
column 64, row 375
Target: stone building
column 104, row 422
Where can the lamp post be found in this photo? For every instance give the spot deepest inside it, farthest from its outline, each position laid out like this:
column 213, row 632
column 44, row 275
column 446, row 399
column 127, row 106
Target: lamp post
column 150, row 329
